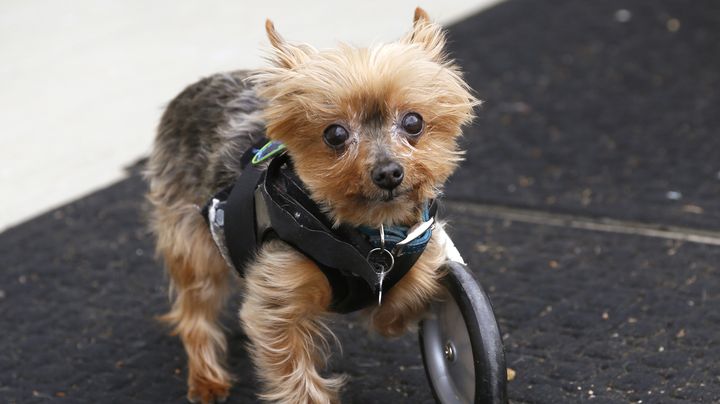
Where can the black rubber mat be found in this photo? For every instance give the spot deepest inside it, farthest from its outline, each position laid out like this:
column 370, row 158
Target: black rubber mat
column 599, row 317
column 607, row 108
column 627, row 318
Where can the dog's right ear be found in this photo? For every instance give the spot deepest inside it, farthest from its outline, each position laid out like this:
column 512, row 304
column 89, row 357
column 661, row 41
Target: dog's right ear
column 420, row 16
column 286, row 55
column 427, row 34
column 275, row 39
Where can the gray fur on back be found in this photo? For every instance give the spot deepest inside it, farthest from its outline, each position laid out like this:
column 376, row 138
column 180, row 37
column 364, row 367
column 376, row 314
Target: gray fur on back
column 202, row 136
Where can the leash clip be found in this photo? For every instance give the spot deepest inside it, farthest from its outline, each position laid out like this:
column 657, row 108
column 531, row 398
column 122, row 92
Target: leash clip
column 382, row 262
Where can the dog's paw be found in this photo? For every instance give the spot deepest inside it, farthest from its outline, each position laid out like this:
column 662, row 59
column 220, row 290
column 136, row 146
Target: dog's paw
column 391, row 325
column 208, row 392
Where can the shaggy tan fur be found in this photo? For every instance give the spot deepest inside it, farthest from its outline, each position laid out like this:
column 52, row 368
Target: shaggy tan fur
column 286, row 297
column 368, row 90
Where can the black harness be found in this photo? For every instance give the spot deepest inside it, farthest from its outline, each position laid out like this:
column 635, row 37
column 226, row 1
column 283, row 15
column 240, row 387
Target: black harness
column 268, row 201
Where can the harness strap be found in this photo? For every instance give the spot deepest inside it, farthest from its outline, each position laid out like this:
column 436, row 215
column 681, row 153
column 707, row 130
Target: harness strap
column 240, row 232
column 268, row 201
column 295, row 225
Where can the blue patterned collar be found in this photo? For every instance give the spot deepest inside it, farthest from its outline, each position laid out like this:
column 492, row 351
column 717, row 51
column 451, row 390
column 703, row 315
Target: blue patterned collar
column 395, row 236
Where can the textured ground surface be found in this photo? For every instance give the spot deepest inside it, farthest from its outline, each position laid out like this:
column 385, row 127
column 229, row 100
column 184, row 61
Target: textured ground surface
column 577, row 101
column 618, row 318
column 588, row 114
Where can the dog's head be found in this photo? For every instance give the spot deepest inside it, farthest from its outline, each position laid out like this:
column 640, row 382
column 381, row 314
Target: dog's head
column 372, row 131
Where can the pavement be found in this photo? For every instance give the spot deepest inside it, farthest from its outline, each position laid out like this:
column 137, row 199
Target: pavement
column 587, row 207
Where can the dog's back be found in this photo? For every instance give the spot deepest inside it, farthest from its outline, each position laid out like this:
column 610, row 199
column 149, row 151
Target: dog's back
column 201, row 136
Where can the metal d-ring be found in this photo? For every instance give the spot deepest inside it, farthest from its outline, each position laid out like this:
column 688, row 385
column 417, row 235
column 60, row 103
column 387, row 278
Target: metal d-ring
column 378, row 254
column 380, row 258
column 382, row 262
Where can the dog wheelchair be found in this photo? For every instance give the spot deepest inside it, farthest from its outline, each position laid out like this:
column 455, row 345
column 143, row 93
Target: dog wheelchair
column 460, row 341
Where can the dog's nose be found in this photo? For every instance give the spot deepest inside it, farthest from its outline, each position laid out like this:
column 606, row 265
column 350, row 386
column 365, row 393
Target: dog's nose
column 387, row 175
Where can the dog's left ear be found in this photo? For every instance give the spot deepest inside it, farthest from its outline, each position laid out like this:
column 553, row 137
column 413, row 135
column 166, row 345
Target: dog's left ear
column 427, row 34
column 286, row 55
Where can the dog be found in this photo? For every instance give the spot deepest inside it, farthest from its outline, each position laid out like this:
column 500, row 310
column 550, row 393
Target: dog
column 372, row 133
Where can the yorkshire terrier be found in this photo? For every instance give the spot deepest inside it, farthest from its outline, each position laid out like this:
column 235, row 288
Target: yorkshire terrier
column 372, row 133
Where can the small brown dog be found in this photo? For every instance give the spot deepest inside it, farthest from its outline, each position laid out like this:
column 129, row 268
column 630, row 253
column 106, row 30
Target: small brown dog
column 345, row 115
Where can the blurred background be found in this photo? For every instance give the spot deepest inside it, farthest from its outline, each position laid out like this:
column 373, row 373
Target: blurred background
column 84, row 82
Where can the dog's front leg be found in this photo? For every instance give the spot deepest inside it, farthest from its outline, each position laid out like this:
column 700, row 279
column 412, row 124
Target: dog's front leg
column 286, row 299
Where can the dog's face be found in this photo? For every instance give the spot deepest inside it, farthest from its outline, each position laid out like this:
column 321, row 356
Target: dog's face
column 372, row 131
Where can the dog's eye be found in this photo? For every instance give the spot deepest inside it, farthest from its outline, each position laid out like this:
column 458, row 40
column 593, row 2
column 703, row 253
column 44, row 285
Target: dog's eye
column 335, row 136
column 412, row 123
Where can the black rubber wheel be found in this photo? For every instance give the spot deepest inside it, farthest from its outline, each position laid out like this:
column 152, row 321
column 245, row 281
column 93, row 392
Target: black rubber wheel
column 461, row 344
